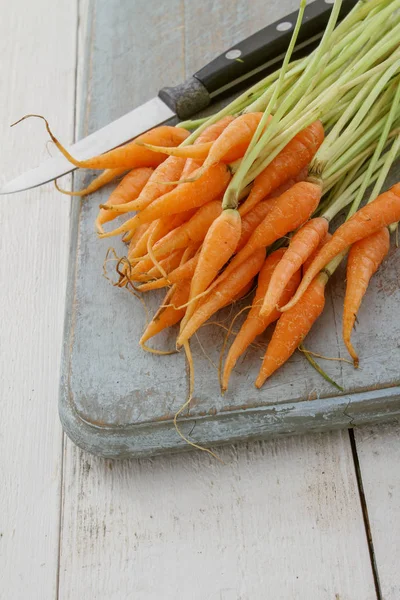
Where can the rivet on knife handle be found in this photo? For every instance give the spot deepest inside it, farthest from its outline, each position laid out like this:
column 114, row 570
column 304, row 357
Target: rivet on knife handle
column 264, row 48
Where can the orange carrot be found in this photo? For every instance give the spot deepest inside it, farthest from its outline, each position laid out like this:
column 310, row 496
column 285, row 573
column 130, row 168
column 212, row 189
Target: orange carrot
column 184, row 197
column 243, row 292
column 218, row 246
column 100, row 181
column 309, row 260
column 182, row 273
column 253, row 217
column 379, row 213
column 196, row 151
column 288, row 212
column 222, row 294
column 140, row 231
column 130, row 155
column 193, row 230
column 166, row 316
column 157, row 230
column 301, row 246
column 252, row 220
column 169, row 263
column 129, row 188
column 287, row 164
column 364, row 259
column 210, row 134
column 234, row 140
column 292, row 328
column 169, row 170
column 255, row 324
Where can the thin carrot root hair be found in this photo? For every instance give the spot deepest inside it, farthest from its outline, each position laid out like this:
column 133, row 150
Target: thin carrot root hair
column 153, row 258
column 233, row 332
column 147, row 348
column 52, row 136
column 128, row 284
column 107, row 259
column 190, row 364
column 207, row 356
column 189, row 302
column 132, row 290
column 322, row 357
column 106, row 177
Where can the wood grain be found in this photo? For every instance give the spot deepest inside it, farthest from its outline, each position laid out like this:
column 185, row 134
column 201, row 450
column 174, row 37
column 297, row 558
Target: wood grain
column 379, row 455
column 277, row 518
column 281, row 516
column 38, row 75
column 111, row 390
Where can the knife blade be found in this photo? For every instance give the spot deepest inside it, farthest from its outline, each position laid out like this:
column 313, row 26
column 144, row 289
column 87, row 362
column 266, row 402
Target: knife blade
column 251, row 58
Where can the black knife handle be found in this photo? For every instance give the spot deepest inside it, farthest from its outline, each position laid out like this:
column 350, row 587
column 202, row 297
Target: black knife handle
column 242, row 60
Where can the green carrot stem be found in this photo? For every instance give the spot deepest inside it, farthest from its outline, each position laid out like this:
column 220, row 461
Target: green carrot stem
column 376, row 155
column 390, row 158
column 230, row 200
column 381, row 170
column 318, row 368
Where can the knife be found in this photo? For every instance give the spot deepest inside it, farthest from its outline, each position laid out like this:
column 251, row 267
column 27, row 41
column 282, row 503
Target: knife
column 251, row 58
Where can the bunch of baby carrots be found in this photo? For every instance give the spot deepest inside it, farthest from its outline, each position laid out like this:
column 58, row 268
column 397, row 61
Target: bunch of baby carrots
column 246, row 198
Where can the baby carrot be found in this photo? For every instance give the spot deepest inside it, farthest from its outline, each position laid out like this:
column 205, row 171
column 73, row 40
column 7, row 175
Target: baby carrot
column 168, row 264
column 157, row 185
column 181, row 273
column 292, row 328
column 252, row 220
column 136, row 238
column 210, row 134
column 255, row 323
column 185, row 196
column 301, row 246
column 224, row 292
column 379, row 213
column 128, row 189
column 130, row 155
column 309, row 260
column 157, row 230
column 100, row 181
column 196, row 151
column 296, row 155
column 166, row 316
column 363, row 261
column 234, row 140
column 194, row 230
column 288, row 212
column 218, row 246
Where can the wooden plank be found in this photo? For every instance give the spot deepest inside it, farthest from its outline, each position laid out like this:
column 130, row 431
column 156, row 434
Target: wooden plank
column 111, row 397
column 379, row 456
column 37, row 45
column 280, row 518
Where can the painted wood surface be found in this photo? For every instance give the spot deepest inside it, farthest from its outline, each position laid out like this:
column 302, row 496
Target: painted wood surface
column 277, row 520
column 379, row 456
column 280, row 518
column 111, row 391
column 187, row 526
column 38, row 75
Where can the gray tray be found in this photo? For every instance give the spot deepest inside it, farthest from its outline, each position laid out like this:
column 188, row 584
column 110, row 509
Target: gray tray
column 117, row 401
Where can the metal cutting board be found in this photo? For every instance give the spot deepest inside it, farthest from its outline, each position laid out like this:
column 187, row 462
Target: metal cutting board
column 117, row 401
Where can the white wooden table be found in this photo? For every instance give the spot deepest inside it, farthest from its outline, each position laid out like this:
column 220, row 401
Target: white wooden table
column 313, row 518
